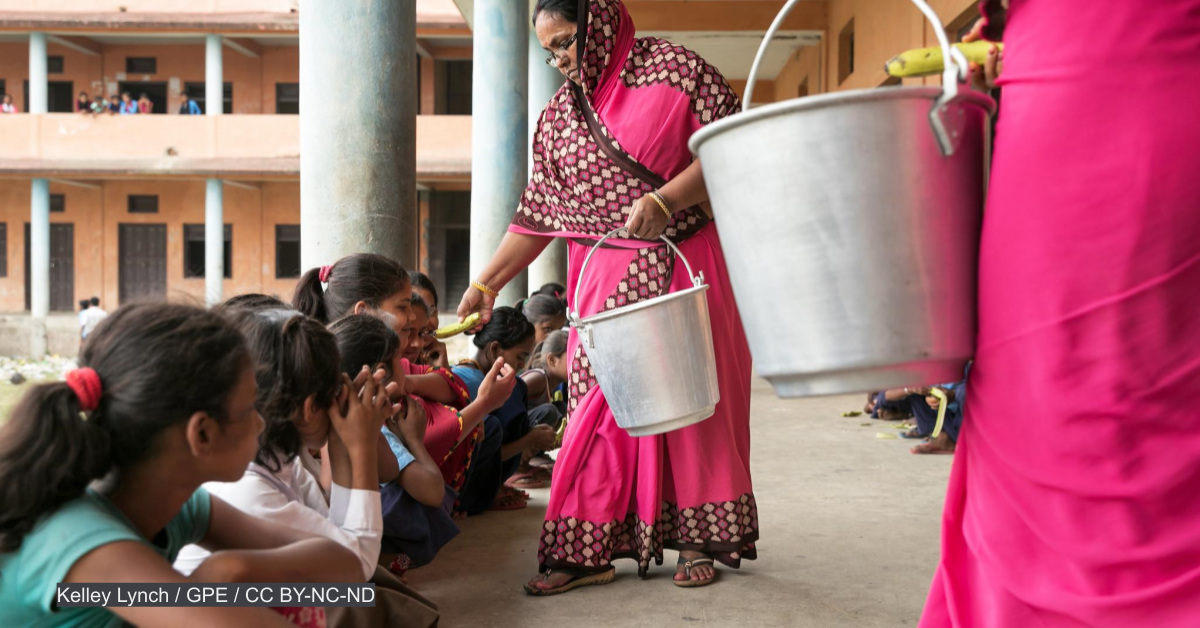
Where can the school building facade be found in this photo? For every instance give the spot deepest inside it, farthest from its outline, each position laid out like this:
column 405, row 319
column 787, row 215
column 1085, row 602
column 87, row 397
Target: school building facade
column 128, row 198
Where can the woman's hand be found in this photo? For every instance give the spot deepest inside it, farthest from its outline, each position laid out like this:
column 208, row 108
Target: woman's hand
column 474, row 300
column 647, row 220
column 497, row 385
column 983, row 78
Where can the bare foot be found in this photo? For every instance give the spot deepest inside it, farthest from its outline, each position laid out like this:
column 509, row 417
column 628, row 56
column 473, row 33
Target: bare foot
column 699, row 572
column 940, row 445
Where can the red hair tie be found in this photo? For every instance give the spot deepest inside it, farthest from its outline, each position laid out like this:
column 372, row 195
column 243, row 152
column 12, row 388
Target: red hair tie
column 86, row 385
column 323, row 274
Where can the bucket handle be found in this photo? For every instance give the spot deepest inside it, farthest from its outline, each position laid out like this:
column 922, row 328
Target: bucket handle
column 577, row 321
column 939, row 117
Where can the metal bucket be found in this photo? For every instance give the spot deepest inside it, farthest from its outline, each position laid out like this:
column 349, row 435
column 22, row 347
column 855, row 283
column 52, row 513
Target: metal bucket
column 654, row 359
column 850, row 223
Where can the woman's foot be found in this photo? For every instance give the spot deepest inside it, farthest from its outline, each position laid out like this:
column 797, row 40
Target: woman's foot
column 941, row 445
column 694, row 569
column 556, row 581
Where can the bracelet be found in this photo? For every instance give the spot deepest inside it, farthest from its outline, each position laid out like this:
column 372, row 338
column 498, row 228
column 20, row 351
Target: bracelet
column 662, row 203
column 482, row 287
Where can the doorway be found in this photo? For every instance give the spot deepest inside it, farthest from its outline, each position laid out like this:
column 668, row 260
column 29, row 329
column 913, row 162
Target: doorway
column 155, row 90
column 142, row 262
column 60, row 97
column 62, row 268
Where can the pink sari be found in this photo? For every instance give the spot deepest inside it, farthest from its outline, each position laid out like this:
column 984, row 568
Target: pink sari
column 1073, row 498
column 597, row 149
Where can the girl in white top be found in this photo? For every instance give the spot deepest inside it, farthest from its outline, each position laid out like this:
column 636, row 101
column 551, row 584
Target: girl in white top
column 307, row 403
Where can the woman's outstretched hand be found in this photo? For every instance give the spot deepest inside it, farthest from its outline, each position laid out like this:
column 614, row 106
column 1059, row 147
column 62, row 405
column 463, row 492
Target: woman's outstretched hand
column 474, row 300
column 647, row 220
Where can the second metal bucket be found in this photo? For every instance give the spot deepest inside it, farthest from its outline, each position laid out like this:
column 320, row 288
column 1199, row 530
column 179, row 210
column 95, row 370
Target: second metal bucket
column 850, row 223
column 654, row 359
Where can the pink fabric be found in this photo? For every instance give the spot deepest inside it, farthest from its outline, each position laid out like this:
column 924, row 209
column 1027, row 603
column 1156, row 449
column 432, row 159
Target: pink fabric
column 641, row 493
column 444, row 438
column 1073, row 498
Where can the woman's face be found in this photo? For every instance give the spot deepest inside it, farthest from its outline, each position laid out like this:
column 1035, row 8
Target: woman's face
column 414, row 343
column 552, row 32
column 549, row 326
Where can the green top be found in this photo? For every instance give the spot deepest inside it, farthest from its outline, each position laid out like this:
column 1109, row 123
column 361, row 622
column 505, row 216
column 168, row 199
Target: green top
column 29, row 576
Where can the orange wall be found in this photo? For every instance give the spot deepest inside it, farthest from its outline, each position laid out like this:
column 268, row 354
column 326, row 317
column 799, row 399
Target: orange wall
column 882, row 28
column 97, row 215
column 253, row 79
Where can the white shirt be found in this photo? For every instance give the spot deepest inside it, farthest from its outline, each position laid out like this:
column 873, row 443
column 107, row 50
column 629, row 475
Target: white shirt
column 91, row 317
column 353, row 518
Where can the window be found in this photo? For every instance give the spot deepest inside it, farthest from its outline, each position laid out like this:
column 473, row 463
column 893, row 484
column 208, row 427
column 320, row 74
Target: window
column 287, row 251
column 802, row 89
column 196, row 92
column 58, row 203
column 3, row 249
column 54, row 65
column 3, row 88
column 458, row 87
column 143, row 204
column 141, row 65
column 846, row 52
column 193, row 251
column 287, row 98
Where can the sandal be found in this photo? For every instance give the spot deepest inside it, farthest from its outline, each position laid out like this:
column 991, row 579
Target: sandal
column 508, row 502
column 528, row 479
column 578, row 579
column 913, row 434
column 927, row 449
column 687, row 572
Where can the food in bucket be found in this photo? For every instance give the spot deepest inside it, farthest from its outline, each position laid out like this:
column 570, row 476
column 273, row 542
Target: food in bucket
column 466, row 324
column 929, row 62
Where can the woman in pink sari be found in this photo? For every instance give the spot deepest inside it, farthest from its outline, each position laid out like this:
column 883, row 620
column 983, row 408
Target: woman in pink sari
column 1079, row 505
column 610, row 152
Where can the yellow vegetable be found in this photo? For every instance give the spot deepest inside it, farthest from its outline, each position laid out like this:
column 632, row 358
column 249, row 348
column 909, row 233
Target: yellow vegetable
column 467, row 324
column 928, row 61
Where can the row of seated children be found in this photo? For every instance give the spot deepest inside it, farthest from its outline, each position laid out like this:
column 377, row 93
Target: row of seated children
column 256, row 443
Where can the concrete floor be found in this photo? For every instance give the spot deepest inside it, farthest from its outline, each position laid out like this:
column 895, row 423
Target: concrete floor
column 850, row 528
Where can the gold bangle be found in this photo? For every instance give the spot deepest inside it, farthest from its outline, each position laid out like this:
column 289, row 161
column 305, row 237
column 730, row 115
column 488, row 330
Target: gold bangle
column 482, row 287
column 662, row 203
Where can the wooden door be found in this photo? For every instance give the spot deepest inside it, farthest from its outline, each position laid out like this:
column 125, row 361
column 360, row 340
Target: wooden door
column 62, row 268
column 142, row 262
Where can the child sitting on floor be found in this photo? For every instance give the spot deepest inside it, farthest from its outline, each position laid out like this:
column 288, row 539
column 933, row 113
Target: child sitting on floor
column 163, row 401
column 547, row 314
column 509, row 337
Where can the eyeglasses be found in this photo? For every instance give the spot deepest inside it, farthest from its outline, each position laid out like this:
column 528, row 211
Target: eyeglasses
column 563, row 48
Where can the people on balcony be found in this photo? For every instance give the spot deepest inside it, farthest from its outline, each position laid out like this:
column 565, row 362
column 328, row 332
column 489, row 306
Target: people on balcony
column 128, row 105
column 84, row 104
column 7, row 106
column 144, row 104
column 188, row 107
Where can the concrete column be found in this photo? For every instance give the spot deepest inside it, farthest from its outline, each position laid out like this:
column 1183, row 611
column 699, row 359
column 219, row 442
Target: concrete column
column 499, row 136
column 358, row 130
column 544, row 82
column 39, row 85
column 214, row 242
column 214, row 76
column 39, row 264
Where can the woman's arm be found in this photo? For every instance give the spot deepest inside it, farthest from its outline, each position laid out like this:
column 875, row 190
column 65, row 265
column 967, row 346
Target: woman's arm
column 517, row 251
column 132, row 561
column 647, row 220
column 432, row 387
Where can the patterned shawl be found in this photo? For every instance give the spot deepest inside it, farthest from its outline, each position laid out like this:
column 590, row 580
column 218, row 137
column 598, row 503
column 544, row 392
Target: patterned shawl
column 624, row 133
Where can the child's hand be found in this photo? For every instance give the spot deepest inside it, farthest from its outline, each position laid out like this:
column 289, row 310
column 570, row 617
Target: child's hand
column 412, row 424
column 497, row 385
column 542, row 437
column 358, row 426
column 436, row 355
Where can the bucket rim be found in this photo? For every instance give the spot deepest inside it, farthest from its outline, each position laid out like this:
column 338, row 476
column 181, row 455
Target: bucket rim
column 641, row 305
column 831, row 99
